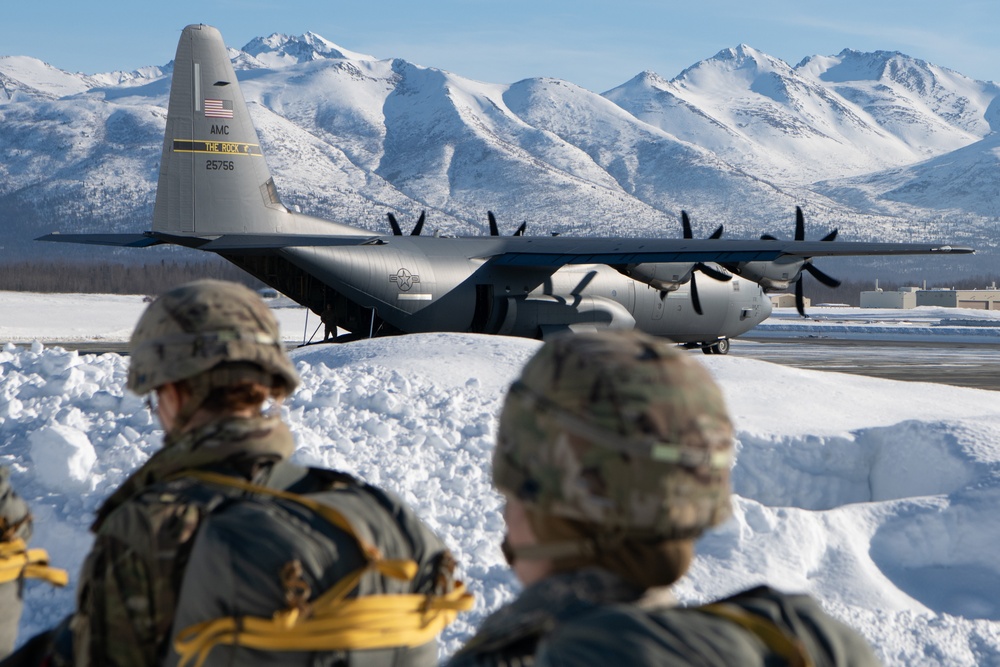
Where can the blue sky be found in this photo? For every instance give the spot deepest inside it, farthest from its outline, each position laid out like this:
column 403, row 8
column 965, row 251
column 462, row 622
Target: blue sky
column 597, row 44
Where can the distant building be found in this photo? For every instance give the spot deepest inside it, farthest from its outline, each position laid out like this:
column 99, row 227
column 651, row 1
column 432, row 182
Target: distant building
column 904, row 297
column 785, row 300
column 985, row 299
column 911, row 297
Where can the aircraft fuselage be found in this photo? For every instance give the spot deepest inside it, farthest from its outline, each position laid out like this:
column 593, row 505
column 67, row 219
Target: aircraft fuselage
column 421, row 284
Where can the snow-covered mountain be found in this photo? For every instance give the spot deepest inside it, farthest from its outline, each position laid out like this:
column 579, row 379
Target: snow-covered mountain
column 877, row 144
column 828, row 117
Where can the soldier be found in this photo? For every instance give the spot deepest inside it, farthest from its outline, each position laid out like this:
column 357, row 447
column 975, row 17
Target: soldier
column 15, row 523
column 17, row 561
column 613, row 454
column 210, row 356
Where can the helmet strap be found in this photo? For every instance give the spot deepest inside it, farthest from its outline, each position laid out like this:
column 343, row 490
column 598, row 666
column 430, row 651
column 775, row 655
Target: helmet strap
column 191, row 405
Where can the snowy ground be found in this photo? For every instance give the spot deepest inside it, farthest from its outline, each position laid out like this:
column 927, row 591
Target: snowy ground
column 879, row 497
column 926, row 324
column 107, row 318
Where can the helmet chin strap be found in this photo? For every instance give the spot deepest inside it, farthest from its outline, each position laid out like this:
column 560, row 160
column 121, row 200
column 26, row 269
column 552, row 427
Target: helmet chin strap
column 190, row 406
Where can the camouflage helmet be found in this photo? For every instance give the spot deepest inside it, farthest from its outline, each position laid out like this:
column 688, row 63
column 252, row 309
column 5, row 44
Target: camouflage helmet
column 619, row 430
column 194, row 328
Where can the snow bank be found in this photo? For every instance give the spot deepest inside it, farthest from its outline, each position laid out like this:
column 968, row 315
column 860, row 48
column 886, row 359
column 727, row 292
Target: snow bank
column 877, row 496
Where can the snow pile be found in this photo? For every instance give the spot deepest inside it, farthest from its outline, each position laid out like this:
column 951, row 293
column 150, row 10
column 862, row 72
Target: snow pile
column 877, row 496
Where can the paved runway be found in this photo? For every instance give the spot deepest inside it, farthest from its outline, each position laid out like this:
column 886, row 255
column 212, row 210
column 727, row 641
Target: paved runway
column 958, row 364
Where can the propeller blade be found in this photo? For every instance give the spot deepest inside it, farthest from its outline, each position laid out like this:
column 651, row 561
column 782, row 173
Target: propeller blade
column 522, row 229
column 768, row 237
column 686, row 225
column 800, row 224
column 827, row 280
column 420, row 224
column 695, row 300
column 829, row 237
column 396, row 231
column 713, row 272
column 717, row 234
column 800, row 302
column 494, row 230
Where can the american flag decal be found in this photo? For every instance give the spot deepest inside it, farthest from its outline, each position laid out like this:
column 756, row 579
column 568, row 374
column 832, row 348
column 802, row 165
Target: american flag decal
column 218, row 109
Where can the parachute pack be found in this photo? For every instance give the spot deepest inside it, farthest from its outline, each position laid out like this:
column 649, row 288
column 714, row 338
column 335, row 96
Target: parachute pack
column 278, row 577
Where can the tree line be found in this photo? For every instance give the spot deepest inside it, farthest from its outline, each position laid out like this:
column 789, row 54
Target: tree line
column 67, row 276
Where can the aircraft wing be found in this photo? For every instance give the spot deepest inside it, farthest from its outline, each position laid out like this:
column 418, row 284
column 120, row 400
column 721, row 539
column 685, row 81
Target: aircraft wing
column 541, row 251
column 235, row 242
column 557, row 251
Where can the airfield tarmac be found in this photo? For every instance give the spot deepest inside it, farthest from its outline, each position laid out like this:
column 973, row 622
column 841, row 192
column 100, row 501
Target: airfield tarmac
column 959, row 364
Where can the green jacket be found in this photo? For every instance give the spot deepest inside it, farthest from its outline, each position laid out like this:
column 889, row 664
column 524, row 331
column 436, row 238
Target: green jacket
column 593, row 617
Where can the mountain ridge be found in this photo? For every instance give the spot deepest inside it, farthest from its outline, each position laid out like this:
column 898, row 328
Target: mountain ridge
column 739, row 138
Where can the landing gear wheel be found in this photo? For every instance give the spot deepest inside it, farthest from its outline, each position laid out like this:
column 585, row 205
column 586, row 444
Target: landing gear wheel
column 722, row 347
column 707, row 349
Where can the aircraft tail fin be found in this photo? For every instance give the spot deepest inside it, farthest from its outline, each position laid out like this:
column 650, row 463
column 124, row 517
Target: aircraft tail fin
column 213, row 176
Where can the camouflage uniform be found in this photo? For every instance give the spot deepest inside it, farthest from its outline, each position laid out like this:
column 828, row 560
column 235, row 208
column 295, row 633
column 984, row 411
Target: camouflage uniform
column 593, row 617
column 145, row 532
column 15, row 522
column 614, row 443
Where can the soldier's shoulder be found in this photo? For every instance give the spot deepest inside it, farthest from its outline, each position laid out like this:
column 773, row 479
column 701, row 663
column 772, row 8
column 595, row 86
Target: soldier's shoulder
column 173, row 506
column 682, row 635
column 803, row 617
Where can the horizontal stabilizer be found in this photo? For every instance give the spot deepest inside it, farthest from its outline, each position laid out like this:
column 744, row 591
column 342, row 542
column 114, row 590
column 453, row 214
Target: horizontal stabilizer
column 120, row 240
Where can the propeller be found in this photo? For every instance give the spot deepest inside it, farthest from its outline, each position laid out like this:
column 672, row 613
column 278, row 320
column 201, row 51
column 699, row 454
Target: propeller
column 807, row 265
column 702, row 267
column 495, row 229
column 417, row 228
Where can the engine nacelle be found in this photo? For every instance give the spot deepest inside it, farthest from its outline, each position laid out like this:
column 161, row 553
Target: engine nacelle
column 537, row 316
column 776, row 275
column 663, row 276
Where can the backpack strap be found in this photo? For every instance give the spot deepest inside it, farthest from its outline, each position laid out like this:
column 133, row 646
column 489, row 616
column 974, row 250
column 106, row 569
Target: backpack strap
column 774, row 637
column 17, row 560
column 331, row 621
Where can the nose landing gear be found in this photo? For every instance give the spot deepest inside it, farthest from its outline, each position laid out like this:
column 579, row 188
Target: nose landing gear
column 720, row 346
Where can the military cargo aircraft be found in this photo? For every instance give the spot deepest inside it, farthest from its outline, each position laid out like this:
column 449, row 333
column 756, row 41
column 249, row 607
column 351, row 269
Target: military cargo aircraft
column 215, row 194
